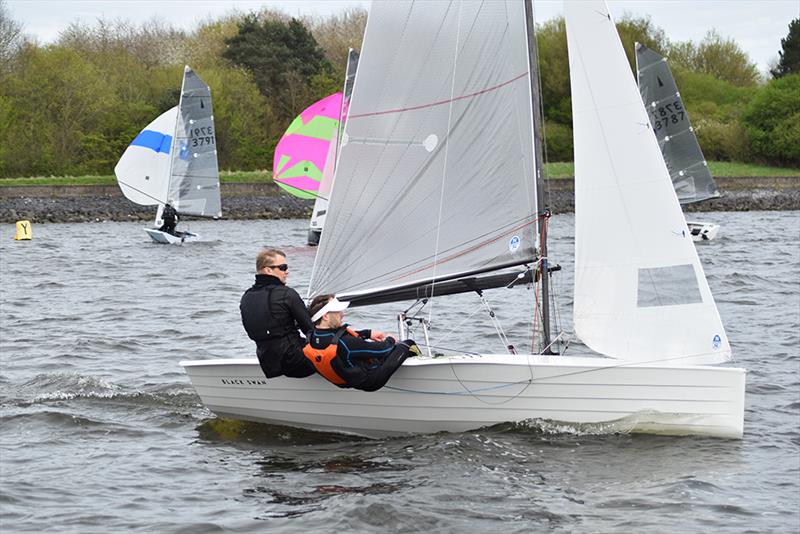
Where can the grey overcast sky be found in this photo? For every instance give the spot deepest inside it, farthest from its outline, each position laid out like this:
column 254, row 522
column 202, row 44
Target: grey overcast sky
column 757, row 25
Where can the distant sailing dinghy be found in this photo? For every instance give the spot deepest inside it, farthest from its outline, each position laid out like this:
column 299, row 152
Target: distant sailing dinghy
column 175, row 159
column 679, row 146
column 437, row 192
column 305, row 157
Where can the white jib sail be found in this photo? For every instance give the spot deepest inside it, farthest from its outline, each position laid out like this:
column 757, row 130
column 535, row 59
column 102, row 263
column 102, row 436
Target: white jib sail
column 143, row 169
column 194, row 179
column 435, row 175
column 640, row 291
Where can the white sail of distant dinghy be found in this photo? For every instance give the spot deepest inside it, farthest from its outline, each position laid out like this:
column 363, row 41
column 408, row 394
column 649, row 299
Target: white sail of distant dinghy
column 320, row 211
column 434, row 190
column 688, row 168
column 175, row 159
column 146, row 161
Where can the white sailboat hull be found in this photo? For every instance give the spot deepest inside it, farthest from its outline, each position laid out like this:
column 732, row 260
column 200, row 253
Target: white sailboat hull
column 461, row 393
column 168, row 239
column 702, row 231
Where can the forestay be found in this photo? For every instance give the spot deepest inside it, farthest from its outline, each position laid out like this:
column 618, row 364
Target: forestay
column 435, row 176
column 640, row 291
column 143, row 169
column 194, row 180
column 684, row 158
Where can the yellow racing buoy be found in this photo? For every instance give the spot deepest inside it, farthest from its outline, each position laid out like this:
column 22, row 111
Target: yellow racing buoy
column 23, row 231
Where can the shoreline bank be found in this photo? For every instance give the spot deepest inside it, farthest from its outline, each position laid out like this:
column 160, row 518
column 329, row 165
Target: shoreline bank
column 266, row 201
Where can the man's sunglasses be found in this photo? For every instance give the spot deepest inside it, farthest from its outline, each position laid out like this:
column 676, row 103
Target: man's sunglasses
column 282, row 267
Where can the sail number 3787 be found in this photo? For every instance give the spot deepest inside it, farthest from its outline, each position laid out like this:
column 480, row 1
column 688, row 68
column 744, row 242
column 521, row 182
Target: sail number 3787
column 668, row 114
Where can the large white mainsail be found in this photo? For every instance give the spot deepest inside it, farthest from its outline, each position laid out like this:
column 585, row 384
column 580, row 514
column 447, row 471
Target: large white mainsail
column 435, row 175
column 640, row 291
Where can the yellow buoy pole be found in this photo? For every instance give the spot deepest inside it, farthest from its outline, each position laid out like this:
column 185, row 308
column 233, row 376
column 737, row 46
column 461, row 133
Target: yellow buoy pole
column 23, row 231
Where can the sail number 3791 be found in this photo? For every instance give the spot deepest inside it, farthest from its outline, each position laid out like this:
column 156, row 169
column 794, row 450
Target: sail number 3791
column 202, row 136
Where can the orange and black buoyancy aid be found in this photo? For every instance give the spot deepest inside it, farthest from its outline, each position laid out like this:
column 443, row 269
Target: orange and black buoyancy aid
column 322, row 358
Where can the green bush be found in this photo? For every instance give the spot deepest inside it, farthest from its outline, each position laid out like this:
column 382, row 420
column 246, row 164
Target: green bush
column 705, row 96
column 718, row 56
column 558, row 141
column 771, row 122
column 723, row 141
column 96, row 155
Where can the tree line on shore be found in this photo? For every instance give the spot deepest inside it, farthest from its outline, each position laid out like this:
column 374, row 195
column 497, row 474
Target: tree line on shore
column 73, row 106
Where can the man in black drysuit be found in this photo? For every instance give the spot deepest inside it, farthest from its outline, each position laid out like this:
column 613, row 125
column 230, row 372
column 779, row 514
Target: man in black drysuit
column 170, row 218
column 273, row 315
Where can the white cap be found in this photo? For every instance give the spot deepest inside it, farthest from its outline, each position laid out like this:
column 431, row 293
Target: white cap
column 333, row 305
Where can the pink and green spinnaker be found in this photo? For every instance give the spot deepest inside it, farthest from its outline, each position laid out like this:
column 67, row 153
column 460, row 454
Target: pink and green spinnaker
column 301, row 155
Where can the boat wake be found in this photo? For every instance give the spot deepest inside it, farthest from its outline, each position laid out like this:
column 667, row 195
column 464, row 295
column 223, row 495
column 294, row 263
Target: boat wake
column 645, row 421
column 49, row 387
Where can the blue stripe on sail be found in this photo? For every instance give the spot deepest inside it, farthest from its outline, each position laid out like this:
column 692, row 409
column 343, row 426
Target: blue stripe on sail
column 153, row 140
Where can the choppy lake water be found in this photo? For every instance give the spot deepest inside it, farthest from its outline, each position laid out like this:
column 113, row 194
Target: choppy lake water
column 101, row 431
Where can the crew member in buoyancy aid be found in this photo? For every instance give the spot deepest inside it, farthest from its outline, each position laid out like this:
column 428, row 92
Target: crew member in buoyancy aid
column 362, row 360
column 170, row 219
column 273, row 316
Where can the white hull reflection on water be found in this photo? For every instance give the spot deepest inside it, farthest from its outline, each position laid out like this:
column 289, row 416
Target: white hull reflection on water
column 101, row 430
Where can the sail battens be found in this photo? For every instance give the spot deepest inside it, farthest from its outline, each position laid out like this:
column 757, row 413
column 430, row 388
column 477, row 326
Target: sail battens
column 674, row 136
column 205, row 177
column 663, row 100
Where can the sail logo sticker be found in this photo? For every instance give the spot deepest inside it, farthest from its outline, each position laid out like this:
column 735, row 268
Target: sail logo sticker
column 513, row 244
column 716, row 342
